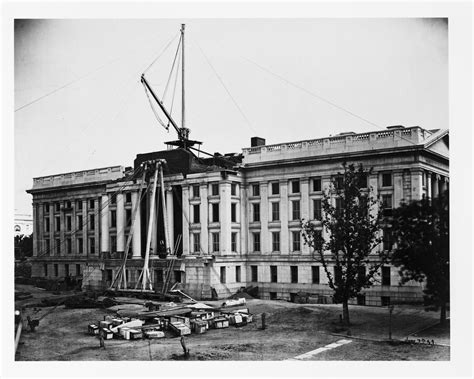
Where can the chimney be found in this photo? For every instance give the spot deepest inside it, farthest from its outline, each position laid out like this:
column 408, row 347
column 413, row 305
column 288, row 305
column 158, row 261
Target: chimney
column 257, row 141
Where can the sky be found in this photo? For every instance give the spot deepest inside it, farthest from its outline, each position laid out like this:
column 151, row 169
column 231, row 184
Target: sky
column 80, row 104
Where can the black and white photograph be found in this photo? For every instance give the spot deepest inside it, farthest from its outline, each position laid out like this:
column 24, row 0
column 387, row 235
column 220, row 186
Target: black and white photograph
column 238, row 188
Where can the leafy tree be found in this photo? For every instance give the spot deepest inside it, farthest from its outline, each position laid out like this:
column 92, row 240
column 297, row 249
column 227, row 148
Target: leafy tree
column 421, row 231
column 23, row 246
column 353, row 225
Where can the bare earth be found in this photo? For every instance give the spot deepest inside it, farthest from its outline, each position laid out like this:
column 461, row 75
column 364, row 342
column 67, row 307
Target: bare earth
column 292, row 329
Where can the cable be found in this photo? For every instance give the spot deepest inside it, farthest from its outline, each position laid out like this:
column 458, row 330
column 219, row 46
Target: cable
column 226, row 89
column 312, row 93
column 172, row 68
column 160, row 54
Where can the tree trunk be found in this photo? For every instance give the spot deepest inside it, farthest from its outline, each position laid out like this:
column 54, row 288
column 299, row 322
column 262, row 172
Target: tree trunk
column 442, row 318
column 345, row 312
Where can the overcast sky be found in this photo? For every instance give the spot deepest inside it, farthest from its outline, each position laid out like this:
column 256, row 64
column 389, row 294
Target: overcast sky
column 386, row 71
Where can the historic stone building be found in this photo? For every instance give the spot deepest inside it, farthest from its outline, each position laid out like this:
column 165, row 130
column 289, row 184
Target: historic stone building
column 234, row 219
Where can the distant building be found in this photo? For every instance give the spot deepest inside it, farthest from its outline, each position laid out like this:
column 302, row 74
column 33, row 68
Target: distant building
column 238, row 215
column 23, row 224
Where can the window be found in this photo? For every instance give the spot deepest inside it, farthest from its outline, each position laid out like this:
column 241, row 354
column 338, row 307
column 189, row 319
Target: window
column 233, row 212
column 275, row 241
column 295, row 210
column 113, row 199
column 387, row 239
column 317, row 184
column 113, row 243
column 318, row 237
column 385, row 276
column 295, row 186
column 273, row 274
column 339, row 206
column 58, row 207
column 362, row 180
column 385, row 301
column 46, row 208
column 92, row 245
column 215, row 212
column 387, row 205
column 337, row 275
column 46, row 225
column 315, row 274
column 254, row 273
column 273, row 295
column 256, row 212
column 79, row 205
column 177, row 276
column 215, row 242
column 56, row 270
column 92, row 204
column 294, row 274
column 68, row 205
column 256, row 241
column 361, row 275
column 237, row 274
column 79, row 222
column 58, row 246
column 47, row 246
column 317, row 209
column 360, row 299
column 196, row 242
column 45, row 267
column 338, row 182
column 68, row 245
column 215, row 189
column 66, row 269
column 80, row 245
column 386, row 179
column 113, row 219
column 195, row 191
column 275, row 211
column 128, row 197
column 255, row 190
column 233, row 242
column 128, row 217
column 78, row 269
column 158, row 277
column 68, row 223
column 296, row 243
column 196, row 213
column 57, row 221
column 275, row 188
column 233, row 189
column 223, row 274
column 92, row 222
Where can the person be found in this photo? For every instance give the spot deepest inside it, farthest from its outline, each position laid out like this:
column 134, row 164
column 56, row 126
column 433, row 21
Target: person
column 101, row 341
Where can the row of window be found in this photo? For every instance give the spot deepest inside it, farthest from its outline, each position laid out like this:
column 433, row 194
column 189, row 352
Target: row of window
column 66, row 244
column 68, row 223
column 315, row 274
column 214, row 190
column 67, row 205
column 67, row 271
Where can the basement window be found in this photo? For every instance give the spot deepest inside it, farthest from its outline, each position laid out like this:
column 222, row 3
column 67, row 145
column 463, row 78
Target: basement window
column 222, row 274
column 237, row 274
column 254, row 273
column 294, row 274
column 315, row 274
column 273, row 274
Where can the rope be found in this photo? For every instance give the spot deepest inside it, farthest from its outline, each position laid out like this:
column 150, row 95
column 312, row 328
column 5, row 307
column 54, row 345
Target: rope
column 226, row 89
column 160, row 54
column 172, row 68
column 154, row 110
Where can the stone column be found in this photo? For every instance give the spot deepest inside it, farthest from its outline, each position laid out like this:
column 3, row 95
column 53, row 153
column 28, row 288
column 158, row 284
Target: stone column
column 96, row 229
column 443, row 184
column 429, row 185
column 170, row 216
column 284, row 214
column 85, row 205
column 265, row 244
column 120, row 223
column 104, row 217
column 416, row 184
column 224, row 217
column 203, row 219
column 325, row 186
column 154, row 232
column 304, row 182
column 36, row 226
column 137, row 231
column 244, row 227
column 186, row 220
column 435, row 190
column 75, row 248
column 62, row 233
column 397, row 188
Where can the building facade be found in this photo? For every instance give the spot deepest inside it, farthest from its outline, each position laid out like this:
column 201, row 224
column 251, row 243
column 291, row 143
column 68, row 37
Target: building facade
column 234, row 219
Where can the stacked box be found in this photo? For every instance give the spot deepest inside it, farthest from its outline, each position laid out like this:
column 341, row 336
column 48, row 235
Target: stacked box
column 220, row 322
column 93, row 329
column 181, row 319
column 135, row 334
column 117, row 321
column 200, row 326
column 107, row 334
column 180, row 329
column 154, row 334
column 105, row 324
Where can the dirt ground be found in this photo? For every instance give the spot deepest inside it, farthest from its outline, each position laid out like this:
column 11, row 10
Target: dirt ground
column 292, row 329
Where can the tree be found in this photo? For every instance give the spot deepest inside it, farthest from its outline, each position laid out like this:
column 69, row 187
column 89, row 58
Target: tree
column 23, row 246
column 421, row 231
column 353, row 225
